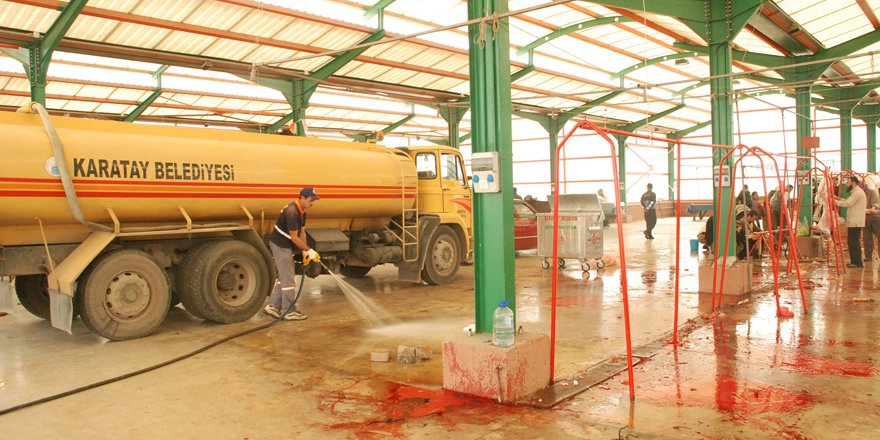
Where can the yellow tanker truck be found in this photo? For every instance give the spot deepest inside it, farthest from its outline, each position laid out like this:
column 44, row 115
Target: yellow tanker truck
column 117, row 222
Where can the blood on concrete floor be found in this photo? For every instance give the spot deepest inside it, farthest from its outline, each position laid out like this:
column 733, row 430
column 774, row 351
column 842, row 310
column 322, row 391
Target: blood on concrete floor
column 739, row 373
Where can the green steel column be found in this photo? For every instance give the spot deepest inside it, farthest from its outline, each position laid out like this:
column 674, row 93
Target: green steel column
column 621, row 169
column 453, row 125
column 846, row 136
column 721, row 86
column 40, row 54
column 670, row 168
column 36, row 74
column 454, row 138
column 489, row 57
column 553, row 126
column 804, row 129
column 871, row 126
column 299, row 102
column 452, row 115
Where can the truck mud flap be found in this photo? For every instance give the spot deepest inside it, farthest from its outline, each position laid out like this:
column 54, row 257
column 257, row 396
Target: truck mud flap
column 6, row 301
column 62, row 280
column 412, row 271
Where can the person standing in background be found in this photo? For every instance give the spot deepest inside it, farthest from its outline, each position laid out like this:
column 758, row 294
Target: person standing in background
column 757, row 207
column 744, row 197
column 776, row 207
column 649, row 204
column 855, row 220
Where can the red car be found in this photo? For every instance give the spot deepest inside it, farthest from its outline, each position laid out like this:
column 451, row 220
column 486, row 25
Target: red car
column 525, row 226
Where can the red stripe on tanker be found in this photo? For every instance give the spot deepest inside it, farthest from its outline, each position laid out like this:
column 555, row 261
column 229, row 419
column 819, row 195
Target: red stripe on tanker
column 147, row 173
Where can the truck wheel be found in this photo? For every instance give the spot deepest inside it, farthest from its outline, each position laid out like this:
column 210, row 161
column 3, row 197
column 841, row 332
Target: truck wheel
column 226, row 281
column 354, row 271
column 33, row 294
column 443, row 257
column 180, row 281
column 124, row 295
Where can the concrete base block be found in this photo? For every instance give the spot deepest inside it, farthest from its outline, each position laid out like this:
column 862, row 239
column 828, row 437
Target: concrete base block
column 809, row 247
column 472, row 365
column 737, row 279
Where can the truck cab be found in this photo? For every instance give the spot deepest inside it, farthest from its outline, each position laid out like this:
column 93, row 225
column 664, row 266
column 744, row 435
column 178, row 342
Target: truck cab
column 444, row 191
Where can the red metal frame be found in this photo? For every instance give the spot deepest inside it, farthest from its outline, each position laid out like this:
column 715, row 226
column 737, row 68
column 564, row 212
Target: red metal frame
column 624, row 289
column 835, row 225
column 758, row 152
column 604, row 133
column 774, row 248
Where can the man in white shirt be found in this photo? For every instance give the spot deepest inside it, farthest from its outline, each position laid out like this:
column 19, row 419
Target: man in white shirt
column 855, row 220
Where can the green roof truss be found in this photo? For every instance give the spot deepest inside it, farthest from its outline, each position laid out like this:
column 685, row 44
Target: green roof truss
column 157, row 76
column 651, row 61
column 576, row 27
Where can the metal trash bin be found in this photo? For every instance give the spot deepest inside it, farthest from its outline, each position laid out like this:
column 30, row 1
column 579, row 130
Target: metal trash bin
column 581, row 234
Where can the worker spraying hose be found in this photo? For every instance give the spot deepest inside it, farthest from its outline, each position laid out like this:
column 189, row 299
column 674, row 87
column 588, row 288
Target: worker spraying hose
column 288, row 235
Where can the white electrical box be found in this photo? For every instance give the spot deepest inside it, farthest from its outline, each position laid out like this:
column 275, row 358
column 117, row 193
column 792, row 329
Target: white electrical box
column 725, row 175
column 485, row 169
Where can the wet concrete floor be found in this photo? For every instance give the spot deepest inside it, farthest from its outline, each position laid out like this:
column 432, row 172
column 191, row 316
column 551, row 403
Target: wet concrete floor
column 742, row 373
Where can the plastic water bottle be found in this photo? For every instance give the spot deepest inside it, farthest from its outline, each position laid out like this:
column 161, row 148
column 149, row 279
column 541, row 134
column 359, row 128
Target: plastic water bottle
column 502, row 326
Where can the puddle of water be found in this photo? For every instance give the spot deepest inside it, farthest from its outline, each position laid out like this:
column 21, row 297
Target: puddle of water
column 741, row 398
column 815, row 365
column 420, row 329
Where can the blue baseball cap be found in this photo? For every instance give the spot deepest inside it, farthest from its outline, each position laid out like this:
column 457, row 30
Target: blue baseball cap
column 309, row 193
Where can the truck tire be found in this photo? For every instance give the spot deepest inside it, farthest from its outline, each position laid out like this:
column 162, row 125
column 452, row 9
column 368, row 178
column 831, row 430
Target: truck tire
column 354, row 271
column 180, row 281
column 442, row 257
column 226, row 281
column 33, row 294
column 124, row 295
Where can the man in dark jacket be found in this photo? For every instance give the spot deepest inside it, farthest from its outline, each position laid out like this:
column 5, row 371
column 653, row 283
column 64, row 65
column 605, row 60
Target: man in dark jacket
column 649, row 204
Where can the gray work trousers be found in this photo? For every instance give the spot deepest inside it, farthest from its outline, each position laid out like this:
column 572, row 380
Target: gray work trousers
column 284, row 294
column 872, row 231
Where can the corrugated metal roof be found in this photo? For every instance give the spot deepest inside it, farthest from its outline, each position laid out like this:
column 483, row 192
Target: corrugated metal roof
column 570, row 70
